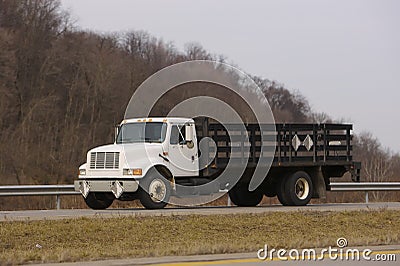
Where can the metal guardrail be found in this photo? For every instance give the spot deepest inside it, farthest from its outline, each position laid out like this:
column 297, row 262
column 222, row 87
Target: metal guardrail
column 39, row 190
column 366, row 186
column 64, row 190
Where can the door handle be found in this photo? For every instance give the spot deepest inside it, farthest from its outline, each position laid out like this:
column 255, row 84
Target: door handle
column 165, row 158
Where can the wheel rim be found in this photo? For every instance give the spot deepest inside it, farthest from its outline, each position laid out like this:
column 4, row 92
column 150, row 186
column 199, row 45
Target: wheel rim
column 157, row 190
column 302, row 188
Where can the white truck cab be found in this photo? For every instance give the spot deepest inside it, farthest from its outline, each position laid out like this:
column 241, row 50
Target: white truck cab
column 146, row 156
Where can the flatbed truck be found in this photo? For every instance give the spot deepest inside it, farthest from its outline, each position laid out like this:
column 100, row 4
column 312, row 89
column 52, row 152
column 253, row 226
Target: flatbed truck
column 155, row 158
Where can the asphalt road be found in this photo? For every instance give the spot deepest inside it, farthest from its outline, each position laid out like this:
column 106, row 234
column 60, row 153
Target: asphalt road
column 65, row 214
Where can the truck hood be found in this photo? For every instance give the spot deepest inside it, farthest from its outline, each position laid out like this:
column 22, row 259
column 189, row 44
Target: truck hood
column 132, row 153
column 140, row 148
column 107, row 148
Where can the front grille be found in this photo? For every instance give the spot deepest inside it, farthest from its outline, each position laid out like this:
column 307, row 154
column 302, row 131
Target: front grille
column 104, row 160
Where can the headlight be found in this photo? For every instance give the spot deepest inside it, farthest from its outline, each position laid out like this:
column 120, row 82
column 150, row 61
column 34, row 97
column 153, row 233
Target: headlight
column 137, row 171
column 82, row 171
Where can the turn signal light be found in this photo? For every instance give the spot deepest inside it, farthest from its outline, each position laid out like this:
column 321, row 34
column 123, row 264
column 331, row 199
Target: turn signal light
column 137, row 171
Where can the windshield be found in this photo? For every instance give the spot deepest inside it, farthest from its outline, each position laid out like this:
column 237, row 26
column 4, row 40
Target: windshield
column 142, row 132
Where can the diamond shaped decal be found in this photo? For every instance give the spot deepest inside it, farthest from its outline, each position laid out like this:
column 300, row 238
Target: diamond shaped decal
column 296, row 142
column 84, row 188
column 117, row 189
column 308, row 143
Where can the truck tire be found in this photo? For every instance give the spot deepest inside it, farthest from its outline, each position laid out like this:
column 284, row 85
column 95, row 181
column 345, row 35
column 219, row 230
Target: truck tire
column 270, row 190
column 296, row 189
column 155, row 192
column 99, row 200
column 282, row 193
column 241, row 196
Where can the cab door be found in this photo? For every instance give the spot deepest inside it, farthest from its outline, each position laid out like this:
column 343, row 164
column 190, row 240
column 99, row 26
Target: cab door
column 182, row 152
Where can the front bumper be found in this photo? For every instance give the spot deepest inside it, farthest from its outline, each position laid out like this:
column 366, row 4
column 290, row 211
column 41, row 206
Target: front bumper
column 117, row 187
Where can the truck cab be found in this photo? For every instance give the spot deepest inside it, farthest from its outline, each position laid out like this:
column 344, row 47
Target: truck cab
column 145, row 158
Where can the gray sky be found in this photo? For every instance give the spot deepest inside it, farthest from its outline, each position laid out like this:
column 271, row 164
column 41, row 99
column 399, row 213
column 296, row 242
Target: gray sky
column 344, row 56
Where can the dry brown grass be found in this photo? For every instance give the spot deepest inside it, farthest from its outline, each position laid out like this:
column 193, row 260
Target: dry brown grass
column 126, row 237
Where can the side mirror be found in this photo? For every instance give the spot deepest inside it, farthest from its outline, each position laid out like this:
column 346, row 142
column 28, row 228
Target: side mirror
column 189, row 135
column 188, row 132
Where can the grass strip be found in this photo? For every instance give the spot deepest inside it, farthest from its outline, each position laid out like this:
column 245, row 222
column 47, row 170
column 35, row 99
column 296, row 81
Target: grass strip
column 86, row 239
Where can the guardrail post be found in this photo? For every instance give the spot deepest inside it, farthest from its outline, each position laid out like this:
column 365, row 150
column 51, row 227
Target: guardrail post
column 58, row 201
column 366, row 197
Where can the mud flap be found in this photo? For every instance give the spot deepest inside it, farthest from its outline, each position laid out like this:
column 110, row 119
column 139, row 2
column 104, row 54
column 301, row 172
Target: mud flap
column 319, row 185
column 355, row 171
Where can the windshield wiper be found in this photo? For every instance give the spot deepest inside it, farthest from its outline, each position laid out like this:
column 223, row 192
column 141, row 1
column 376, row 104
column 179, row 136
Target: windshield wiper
column 129, row 141
column 149, row 140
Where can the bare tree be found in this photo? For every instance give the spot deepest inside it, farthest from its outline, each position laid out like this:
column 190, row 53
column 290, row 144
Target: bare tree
column 377, row 163
column 321, row 118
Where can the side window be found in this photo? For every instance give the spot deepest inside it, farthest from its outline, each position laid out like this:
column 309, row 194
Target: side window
column 174, row 135
column 177, row 135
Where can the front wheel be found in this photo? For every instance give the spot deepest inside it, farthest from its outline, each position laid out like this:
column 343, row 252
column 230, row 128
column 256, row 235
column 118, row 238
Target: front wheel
column 99, row 200
column 155, row 192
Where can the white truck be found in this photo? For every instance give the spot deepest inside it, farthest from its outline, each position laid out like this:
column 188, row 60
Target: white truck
column 151, row 157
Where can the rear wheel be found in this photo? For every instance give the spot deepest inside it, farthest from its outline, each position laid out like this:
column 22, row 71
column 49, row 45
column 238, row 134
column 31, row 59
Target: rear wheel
column 282, row 193
column 241, row 196
column 300, row 188
column 155, row 192
column 296, row 189
column 270, row 190
column 99, row 200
